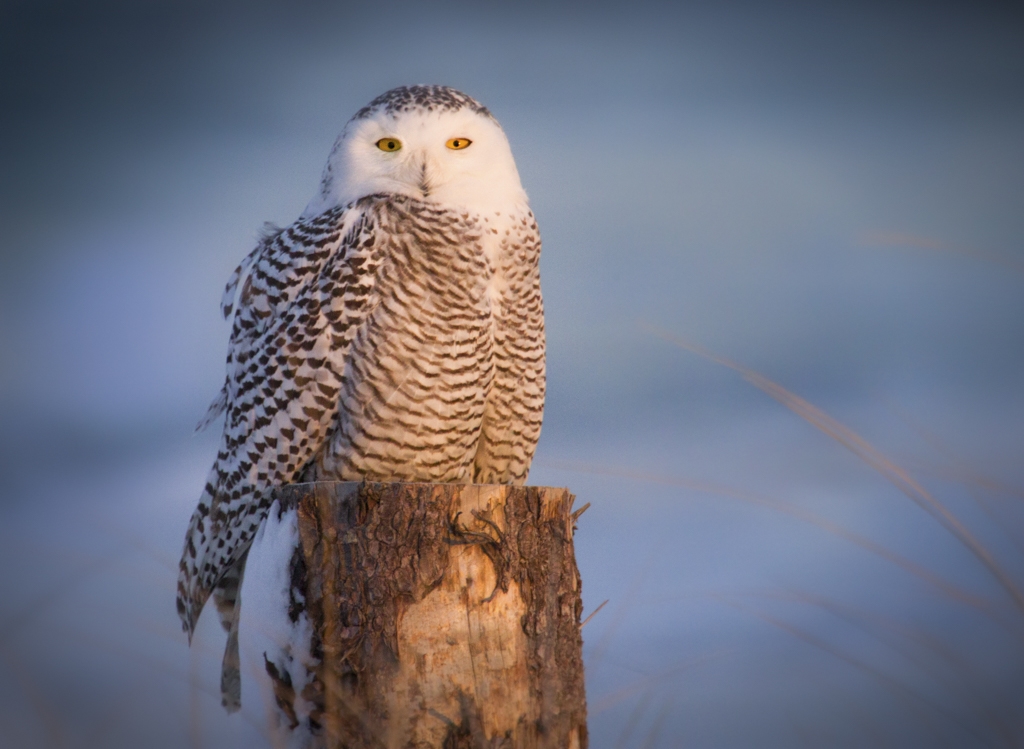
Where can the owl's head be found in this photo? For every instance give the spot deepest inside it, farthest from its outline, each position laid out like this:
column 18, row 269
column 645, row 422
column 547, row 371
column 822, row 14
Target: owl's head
column 432, row 143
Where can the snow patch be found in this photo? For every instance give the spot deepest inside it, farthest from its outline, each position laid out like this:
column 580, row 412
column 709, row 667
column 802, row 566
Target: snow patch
column 266, row 629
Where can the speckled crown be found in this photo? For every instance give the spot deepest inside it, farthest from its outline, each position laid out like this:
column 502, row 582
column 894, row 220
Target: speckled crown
column 428, row 98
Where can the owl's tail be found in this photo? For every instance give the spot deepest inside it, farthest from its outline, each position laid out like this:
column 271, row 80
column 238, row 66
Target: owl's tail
column 227, row 595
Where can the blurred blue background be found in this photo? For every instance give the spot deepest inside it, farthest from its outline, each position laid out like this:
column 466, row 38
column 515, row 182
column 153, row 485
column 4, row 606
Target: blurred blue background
column 830, row 194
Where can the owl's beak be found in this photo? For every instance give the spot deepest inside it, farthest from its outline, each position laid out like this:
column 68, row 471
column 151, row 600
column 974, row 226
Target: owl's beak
column 424, row 177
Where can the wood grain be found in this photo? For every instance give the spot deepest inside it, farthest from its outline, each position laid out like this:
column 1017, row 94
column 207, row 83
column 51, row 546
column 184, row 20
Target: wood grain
column 446, row 615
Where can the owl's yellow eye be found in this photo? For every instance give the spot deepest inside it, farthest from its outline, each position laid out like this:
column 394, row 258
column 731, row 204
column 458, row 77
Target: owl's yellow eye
column 457, row 144
column 389, row 144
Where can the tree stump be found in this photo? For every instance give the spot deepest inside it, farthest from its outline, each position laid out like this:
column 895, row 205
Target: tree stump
column 444, row 615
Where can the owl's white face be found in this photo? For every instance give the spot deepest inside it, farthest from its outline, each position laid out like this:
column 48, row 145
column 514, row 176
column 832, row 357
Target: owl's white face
column 417, row 153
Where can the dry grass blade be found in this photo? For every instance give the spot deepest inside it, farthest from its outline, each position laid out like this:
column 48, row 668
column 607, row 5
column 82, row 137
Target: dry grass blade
column 828, row 526
column 870, row 455
column 49, row 717
column 657, row 725
column 593, row 613
column 894, row 685
column 956, row 469
column 897, row 636
column 953, row 467
column 633, row 720
column 961, row 475
column 621, row 611
column 899, row 239
column 648, row 682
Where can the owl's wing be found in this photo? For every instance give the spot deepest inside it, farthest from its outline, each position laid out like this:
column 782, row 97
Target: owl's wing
column 304, row 291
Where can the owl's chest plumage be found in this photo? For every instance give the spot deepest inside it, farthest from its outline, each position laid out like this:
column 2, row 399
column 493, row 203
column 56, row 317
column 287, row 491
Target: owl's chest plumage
column 444, row 378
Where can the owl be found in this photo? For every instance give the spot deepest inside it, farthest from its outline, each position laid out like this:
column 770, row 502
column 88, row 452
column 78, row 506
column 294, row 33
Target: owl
column 394, row 332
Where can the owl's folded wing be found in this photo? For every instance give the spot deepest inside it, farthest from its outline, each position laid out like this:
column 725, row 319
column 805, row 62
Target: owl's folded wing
column 306, row 289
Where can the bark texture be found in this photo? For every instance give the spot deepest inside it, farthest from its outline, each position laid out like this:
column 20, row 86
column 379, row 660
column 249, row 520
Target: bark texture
column 444, row 615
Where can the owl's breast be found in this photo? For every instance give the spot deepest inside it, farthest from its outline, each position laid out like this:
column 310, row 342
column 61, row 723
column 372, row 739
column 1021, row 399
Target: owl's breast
column 421, row 365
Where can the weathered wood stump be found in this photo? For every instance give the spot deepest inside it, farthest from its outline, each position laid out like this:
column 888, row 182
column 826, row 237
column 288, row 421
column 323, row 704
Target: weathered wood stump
column 447, row 615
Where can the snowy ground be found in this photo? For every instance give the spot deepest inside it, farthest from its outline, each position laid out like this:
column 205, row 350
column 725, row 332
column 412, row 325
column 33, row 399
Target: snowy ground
column 830, row 198
column 727, row 619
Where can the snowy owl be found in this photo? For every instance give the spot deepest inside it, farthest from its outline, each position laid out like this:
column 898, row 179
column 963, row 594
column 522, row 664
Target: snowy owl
column 394, row 332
